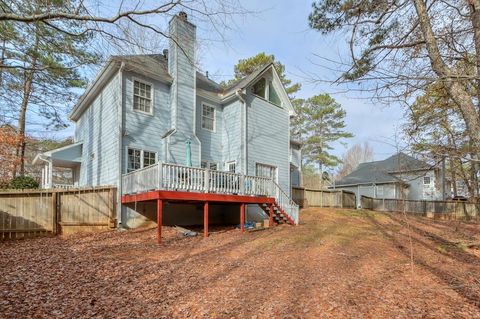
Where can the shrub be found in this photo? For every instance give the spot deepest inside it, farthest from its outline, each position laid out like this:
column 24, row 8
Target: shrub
column 23, row 182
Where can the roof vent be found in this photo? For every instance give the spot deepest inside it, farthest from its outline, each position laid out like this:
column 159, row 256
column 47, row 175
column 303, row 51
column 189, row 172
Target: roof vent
column 182, row 15
column 206, row 74
column 165, row 53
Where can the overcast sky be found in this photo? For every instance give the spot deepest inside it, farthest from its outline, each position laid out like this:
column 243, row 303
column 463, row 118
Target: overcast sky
column 280, row 28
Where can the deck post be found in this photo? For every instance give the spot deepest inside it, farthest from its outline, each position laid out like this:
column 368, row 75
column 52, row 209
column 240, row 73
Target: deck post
column 242, row 217
column 205, row 219
column 270, row 211
column 159, row 220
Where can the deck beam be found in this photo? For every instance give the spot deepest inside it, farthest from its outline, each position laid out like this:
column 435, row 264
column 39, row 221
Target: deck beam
column 195, row 197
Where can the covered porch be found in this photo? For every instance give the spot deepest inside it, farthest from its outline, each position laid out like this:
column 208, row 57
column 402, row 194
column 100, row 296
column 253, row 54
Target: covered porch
column 61, row 166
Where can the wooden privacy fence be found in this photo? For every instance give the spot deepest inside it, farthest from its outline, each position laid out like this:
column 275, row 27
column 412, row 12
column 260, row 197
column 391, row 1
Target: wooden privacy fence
column 306, row 197
column 31, row 213
column 435, row 209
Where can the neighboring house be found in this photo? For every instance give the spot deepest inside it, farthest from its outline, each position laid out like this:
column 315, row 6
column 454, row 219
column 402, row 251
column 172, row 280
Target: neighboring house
column 399, row 176
column 144, row 109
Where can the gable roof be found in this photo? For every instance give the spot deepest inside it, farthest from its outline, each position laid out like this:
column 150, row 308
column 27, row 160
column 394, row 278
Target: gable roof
column 382, row 172
column 156, row 67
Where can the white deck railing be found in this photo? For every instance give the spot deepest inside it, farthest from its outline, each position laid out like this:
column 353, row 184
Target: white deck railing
column 163, row 176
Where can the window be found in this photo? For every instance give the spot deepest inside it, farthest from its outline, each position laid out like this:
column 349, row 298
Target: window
column 264, row 170
column 210, row 165
column 231, row 167
column 272, row 95
column 148, row 158
column 139, row 159
column 426, row 180
column 134, row 160
column 208, row 117
column 259, row 88
column 142, row 97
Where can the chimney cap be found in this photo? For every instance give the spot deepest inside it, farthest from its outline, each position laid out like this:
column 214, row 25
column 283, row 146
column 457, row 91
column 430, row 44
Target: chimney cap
column 165, row 53
column 183, row 15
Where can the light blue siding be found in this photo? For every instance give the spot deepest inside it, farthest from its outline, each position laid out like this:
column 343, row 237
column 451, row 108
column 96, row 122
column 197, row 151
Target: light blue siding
column 268, row 138
column 181, row 65
column 211, row 141
column 97, row 129
column 232, row 134
column 145, row 131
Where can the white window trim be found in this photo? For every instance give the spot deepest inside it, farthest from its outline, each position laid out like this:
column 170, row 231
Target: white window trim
column 429, row 178
column 265, row 164
column 151, row 96
column 141, row 156
column 214, row 118
column 227, row 166
column 210, row 163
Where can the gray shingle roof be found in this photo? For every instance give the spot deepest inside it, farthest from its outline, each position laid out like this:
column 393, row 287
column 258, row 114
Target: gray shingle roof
column 380, row 172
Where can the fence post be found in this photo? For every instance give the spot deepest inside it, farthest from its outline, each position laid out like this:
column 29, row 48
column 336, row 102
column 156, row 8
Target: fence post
column 383, row 203
column 341, row 198
column 54, row 213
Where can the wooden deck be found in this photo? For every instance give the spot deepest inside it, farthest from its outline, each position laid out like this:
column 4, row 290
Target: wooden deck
column 165, row 182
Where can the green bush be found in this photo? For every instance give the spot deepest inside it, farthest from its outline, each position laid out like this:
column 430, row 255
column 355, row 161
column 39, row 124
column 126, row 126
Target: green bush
column 23, row 182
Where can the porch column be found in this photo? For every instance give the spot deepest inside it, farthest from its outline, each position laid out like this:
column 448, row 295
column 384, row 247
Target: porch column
column 205, row 219
column 270, row 211
column 159, row 220
column 242, row 217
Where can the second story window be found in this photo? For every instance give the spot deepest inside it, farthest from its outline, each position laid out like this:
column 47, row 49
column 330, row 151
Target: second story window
column 142, row 97
column 208, row 117
column 426, row 180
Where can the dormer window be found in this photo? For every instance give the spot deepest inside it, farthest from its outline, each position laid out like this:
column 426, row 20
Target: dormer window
column 142, row 97
column 264, row 89
column 259, row 88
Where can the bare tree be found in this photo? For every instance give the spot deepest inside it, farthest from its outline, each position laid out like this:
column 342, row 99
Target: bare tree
column 46, row 46
column 355, row 155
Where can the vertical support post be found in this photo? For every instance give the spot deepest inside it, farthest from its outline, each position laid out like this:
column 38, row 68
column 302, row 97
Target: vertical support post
column 206, row 183
column 54, row 213
column 159, row 220
column 205, row 219
column 242, row 184
column 242, row 217
column 270, row 221
column 160, row 175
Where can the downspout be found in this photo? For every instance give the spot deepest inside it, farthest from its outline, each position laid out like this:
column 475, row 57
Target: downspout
column 244, row 126
column 120, row 147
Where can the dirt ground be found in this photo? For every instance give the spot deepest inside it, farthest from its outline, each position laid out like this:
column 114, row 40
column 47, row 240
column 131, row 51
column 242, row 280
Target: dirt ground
column 337, row 263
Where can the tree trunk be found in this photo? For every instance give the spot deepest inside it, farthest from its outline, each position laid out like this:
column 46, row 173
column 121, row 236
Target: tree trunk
column 27, row 91
column 456, row 91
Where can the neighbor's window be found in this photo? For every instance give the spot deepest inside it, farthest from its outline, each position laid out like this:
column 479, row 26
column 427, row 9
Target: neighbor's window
column 142, row 97
column 259, row 87
column 213, row 166
column 231, row 167
column 208, row 117
column 139, row 159
column 426, row 180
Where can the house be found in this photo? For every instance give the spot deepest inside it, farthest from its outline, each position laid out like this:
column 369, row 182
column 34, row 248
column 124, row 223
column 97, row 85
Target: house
column 146, row 116
column 399, row 176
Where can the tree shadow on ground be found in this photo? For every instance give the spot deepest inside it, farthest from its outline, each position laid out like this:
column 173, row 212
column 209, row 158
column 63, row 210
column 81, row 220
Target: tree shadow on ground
column 469, row 289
